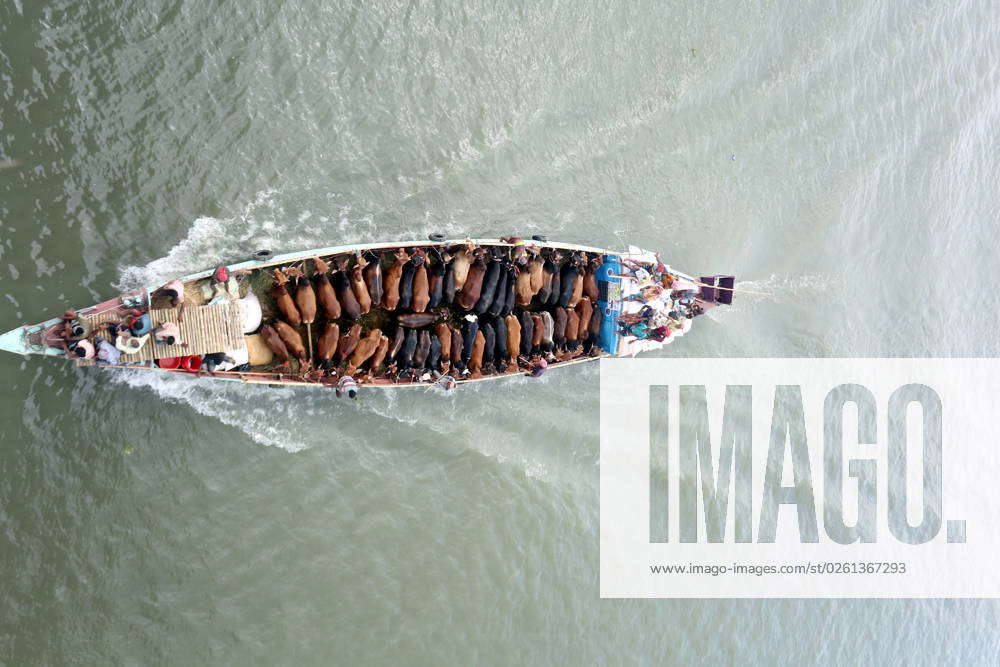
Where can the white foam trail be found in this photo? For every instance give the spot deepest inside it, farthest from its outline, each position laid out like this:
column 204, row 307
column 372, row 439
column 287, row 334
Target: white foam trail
column 264, row 223
column 776, row 285
column 259, row 416
column 775, row 288
column 213, row 241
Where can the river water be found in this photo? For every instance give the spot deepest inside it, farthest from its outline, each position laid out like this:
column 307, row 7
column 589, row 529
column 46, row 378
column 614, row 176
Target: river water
column 841, row 157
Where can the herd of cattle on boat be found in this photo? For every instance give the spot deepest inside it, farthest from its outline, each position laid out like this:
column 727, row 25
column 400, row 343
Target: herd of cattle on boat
column 463, row 311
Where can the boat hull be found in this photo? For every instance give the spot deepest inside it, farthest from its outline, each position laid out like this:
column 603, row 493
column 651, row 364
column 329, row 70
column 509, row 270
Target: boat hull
column 44, row 338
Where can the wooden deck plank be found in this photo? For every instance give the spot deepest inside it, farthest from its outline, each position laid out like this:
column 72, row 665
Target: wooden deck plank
column 204, row 329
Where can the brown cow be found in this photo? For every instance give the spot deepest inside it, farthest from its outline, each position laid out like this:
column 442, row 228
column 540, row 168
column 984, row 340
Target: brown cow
column 286, row 306
column 577, row 287
column 358, row 285
column 292, row 340
column 444, row 335
column 275, row 344
column 523, row 286
column 476, row 358
column 390, row 286
column 590, row 279
column 421, row 288
column 572, row 329
column 472, row 289
column 585, row 310
column 460, row 264
column 513, row 340
column 375, row 367
column 347, row 343
column 324, row 290
column 456, row 346
column 305, row 297
column 327, row 344
column 364, row 350
column 537, row 332
column 535, row 269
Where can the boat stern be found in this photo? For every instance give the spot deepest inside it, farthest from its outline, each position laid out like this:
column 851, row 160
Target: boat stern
column 716, row 291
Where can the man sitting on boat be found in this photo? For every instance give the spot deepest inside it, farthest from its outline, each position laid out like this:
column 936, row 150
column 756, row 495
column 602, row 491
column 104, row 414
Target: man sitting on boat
column 107, row 354
column 646, row 294
column 128, row 343
column 79, row 349
column 349, row 385
column 645, row 326
column 169, row 334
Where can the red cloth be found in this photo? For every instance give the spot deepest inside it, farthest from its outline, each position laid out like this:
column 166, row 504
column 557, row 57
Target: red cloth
column 659, row 334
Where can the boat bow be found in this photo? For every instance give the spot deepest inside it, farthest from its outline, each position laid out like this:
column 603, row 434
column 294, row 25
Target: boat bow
column 14, row 341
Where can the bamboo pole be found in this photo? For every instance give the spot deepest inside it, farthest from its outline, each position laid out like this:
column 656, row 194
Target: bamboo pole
column 732, row 289
column 699, row 284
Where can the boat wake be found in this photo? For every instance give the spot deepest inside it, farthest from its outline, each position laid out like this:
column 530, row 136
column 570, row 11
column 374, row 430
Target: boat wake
column 299, row 419
column 263, row 418
column 274, row 220
column 211, row 241
column 270, row 222
column 777, row 286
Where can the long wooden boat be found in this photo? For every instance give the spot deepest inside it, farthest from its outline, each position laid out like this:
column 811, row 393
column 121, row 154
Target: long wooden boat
column 234, row 314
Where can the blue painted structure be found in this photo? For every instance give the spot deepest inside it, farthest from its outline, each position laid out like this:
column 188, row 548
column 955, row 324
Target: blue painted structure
column 609, row 301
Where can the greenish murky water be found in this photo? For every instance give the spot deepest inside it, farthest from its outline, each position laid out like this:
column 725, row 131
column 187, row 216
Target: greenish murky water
column 840, row 156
